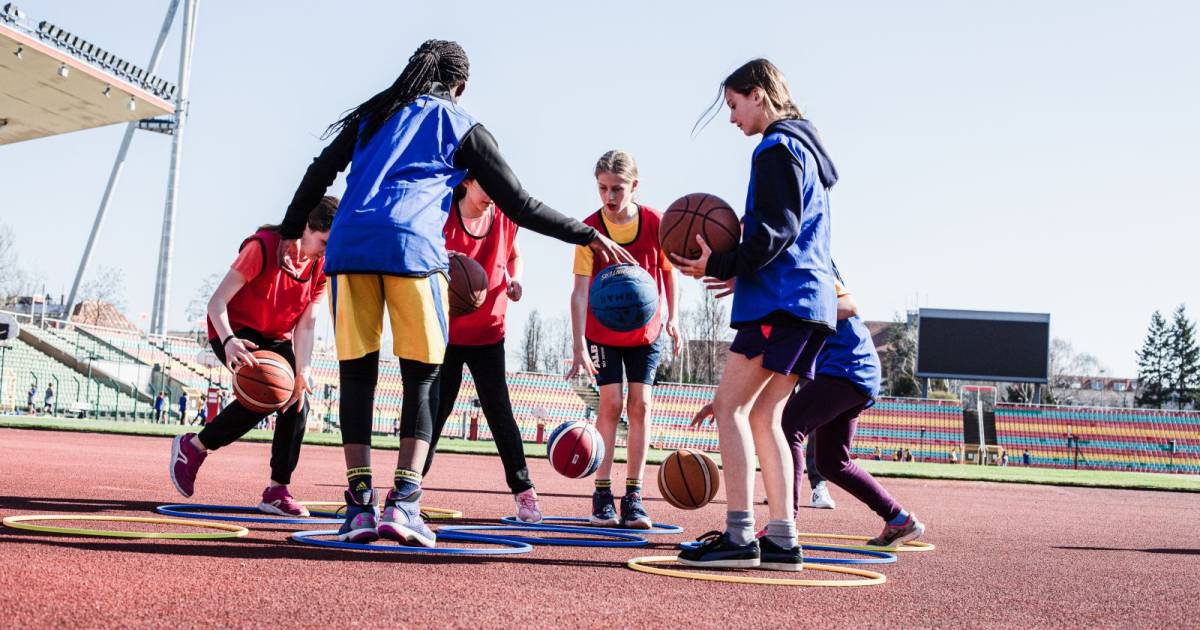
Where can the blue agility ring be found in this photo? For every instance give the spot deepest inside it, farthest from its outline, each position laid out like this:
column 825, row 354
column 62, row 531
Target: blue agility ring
column 659, row 528
column 198, row 510
column 621, row 539
column 872, row 557
column 508, row 546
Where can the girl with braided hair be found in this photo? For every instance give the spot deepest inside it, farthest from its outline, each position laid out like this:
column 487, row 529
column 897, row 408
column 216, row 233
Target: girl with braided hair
column 407, row 148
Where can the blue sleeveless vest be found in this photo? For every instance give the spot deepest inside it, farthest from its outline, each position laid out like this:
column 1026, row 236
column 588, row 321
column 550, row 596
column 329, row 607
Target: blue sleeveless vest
column 850, row 354
column 398, row 193
column 799, row 281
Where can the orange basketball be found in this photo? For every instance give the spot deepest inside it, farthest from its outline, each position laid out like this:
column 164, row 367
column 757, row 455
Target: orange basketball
column 688, row 479
column 703, row 214
column 265, row 387
column 468, row 284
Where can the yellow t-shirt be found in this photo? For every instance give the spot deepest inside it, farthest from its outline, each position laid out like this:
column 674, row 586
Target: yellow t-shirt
column 623, row 234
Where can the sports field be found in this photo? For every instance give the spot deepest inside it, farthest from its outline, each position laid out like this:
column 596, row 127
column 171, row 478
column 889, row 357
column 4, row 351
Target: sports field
column 1007, row 554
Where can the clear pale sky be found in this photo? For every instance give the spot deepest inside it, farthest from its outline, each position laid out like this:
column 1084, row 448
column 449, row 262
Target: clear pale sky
column 1023, row 156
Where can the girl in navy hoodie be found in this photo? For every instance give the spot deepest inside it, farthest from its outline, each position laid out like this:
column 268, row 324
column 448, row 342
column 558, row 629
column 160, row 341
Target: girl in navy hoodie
column 784, row 307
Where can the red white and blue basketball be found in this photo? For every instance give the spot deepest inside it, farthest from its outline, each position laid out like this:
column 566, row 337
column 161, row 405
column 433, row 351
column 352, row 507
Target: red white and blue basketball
column 623, row 297
column 575, row 449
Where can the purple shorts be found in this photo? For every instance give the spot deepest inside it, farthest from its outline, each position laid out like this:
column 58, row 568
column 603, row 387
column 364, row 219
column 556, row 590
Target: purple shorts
column 788, row 348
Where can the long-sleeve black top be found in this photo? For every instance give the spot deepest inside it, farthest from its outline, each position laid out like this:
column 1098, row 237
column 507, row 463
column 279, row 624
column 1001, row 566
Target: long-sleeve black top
column 778, row 177
column 478, row 154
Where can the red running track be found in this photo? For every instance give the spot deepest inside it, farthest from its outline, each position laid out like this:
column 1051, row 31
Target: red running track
column 1008, row 555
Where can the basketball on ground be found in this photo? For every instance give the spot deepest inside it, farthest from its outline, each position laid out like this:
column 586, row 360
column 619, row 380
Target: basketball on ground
column 703, row 214
column 265, row 387
column 575, row 449
column 468, row 284
column 623, row 297
column 688, row 479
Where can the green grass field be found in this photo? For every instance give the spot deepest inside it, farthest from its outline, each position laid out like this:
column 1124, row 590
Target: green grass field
column 1046, row 476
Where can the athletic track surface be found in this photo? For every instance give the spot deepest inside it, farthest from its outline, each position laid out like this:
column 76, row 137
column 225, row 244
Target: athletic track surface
column 1007, row 555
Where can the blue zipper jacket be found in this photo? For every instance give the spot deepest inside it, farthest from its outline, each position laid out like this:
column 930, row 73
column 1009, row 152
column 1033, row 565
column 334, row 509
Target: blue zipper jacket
column 783, row 264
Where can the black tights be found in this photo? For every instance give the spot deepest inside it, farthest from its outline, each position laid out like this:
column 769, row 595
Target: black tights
column 235, row 420
column 357, row 404
column 487, row 367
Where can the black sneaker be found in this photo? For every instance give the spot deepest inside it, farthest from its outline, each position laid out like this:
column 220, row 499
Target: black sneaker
column 777, row 558
column 603, row 512
column 633, row 515
column 719, row 552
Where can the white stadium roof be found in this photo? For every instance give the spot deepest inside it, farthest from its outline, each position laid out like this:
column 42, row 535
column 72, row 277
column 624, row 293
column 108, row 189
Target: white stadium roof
column 53, row 82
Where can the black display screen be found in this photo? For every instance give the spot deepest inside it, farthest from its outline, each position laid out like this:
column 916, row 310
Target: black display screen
column 982, row 345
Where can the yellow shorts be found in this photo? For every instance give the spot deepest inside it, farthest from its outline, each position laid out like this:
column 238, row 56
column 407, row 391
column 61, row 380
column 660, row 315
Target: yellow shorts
column 416, row 308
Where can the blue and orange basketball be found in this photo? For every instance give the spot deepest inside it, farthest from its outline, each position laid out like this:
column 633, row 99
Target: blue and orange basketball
column 623, row 297
column 575, row 449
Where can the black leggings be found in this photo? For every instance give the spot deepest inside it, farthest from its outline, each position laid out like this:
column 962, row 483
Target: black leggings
column 235, row 420
column 357, row 404
column 487, row 367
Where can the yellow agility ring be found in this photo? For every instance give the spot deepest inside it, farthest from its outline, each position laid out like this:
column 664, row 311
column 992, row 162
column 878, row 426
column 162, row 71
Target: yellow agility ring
column 227, row 531
column 869, row 578
column 431, row 513
column 911, row 546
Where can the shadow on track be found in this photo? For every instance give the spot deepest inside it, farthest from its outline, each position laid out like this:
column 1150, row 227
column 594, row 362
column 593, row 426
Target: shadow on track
column 266, row 549
column 1160, row 550
column 81, row 505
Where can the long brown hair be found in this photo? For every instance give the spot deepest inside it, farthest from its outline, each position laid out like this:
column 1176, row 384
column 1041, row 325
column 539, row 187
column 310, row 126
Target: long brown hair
column 756, row 73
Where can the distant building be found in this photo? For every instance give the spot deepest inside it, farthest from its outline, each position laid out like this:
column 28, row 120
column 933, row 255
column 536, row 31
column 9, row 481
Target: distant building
column 1095, row 391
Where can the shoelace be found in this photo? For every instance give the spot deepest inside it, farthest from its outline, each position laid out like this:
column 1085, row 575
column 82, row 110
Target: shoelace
column 527, row 502
column 710, row 539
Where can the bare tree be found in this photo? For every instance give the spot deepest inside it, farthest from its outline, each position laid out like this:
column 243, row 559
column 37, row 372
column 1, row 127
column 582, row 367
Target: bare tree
column 107, row 285
column 197, row 310
column 706, row 326
column 559, row 350
column 533, row 343
column 14, row 281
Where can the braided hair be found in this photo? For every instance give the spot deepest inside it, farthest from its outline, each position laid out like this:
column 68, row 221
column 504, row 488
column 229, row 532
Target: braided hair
column 435, row 60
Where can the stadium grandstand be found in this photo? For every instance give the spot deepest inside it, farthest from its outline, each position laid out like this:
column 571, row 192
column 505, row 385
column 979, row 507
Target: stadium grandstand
column 104, row 372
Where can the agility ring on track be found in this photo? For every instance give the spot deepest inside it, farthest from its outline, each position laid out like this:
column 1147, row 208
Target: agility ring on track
column 872, row 556
column 659, row 528
column 507, row 546
column 187, row 510
column 912, row 546
column 431, row 513
column 867, row 578
column 620, row 539
column 227, row 531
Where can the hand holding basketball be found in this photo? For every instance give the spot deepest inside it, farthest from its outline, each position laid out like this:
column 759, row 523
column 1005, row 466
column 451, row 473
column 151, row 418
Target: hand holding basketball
column 694, row 267
column 705, row 413
column 239, row 352
column 302, row 386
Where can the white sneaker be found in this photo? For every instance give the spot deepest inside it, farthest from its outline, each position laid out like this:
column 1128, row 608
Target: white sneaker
column 821, row 498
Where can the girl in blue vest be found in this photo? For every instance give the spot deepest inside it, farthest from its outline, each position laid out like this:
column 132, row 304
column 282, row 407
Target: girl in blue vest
column 612, row 356
column 407, row 148
column 784, row 306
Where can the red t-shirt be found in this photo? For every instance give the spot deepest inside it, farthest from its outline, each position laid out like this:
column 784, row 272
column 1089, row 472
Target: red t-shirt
column 491, row 249
column 272, row 300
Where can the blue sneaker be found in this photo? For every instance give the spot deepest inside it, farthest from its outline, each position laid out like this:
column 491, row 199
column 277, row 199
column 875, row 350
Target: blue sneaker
column 361, row 517
column 717, row 551
column 633, row 515
column 402, row 521
column 603, row 512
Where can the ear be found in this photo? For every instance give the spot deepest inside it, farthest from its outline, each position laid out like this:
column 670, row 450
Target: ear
column 633, row 185
column 458, row 91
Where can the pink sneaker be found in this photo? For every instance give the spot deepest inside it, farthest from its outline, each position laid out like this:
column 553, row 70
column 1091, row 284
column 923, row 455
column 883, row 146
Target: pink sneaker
column 185, row 463
column 528, row 508
column 277, row 500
